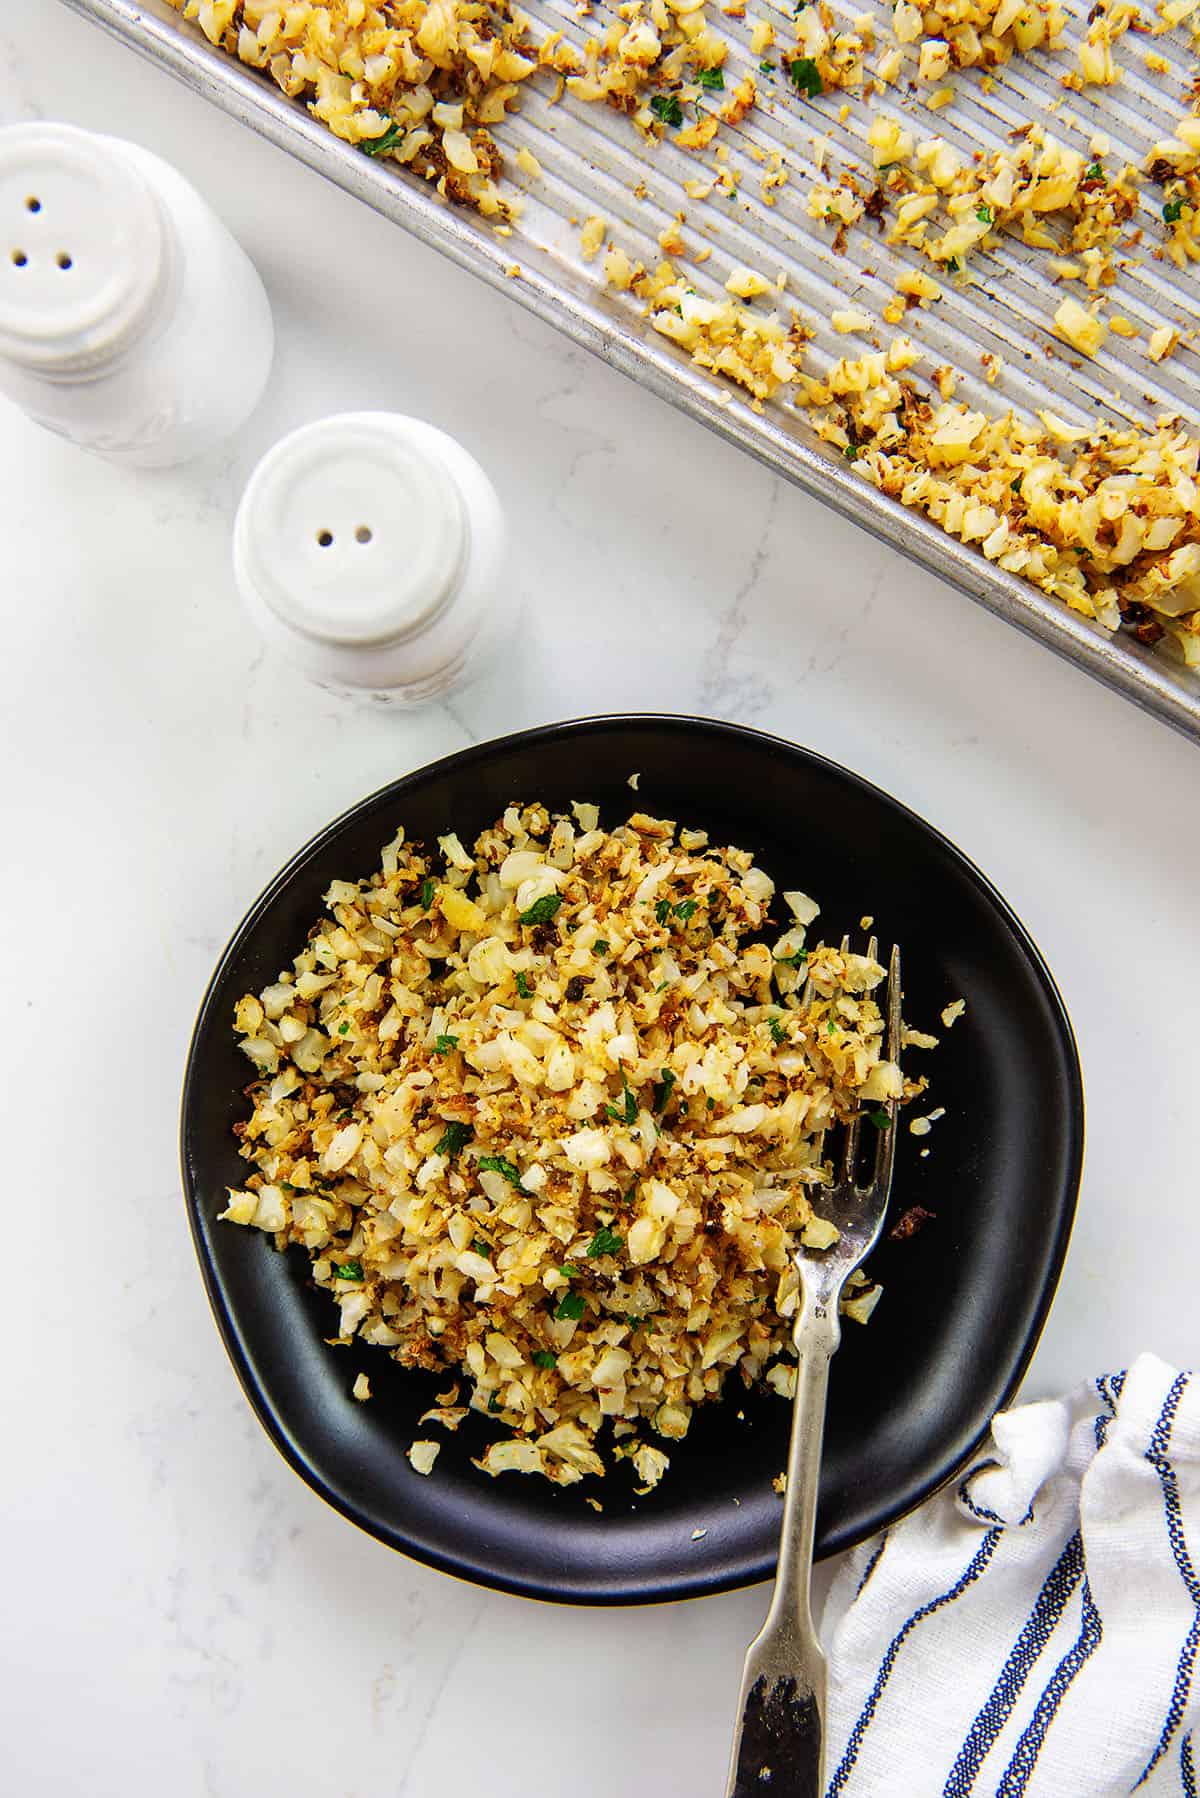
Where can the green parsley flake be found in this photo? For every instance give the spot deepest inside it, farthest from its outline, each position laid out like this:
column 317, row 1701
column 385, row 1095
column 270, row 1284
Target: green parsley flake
column 482, row 1246
column 662, row 910
column 711, row 78
column 1093, row 172
column 497, row 1164
column 766, row 68
column 453, row 1139
column 542, row 910
column 667, row 108
column 571, row 1308
column 543, row 1358
column 523, row 986
column 427, row 891
column 605, row 1242
column 1172, row 211
column 685, row 909
column 984, row 214
column 599, row 947
column 343, row 1029
column 627, row 1111
column 375, row 146
column 880, row 1118
column 806, row 77
column 662, row 1088
column 348, row 1270
column 445, row 1045
column 778, row 1031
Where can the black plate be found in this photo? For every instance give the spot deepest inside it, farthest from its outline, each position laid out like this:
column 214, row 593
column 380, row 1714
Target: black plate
column 964, row 1300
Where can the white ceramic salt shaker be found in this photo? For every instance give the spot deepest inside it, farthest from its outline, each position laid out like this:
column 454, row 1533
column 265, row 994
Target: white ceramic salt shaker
column 131, row 321
column 370, row 549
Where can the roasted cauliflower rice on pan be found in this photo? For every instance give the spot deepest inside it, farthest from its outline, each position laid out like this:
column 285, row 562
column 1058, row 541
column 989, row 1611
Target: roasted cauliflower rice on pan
column 547, row 1117
column 1103, row 516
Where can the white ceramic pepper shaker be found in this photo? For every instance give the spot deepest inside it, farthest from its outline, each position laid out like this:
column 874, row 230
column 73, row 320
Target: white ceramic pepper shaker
column 131, row 321
column 370, row 549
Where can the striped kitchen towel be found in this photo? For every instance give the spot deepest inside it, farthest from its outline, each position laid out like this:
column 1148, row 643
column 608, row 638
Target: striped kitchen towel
column 1032, row 1630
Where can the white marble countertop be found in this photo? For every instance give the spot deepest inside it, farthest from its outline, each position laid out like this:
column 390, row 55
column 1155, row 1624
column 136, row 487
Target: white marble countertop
column 180, row 1613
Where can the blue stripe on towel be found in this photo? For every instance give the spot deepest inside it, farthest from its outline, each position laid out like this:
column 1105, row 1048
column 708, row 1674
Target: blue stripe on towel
column 1157, row 1457
column 1039, row 1627
column 1020, row 1768
column 872, row 1563
column 975, row 1567
column 1110, row 1386
column 981, row 1512
column 1055, row 1595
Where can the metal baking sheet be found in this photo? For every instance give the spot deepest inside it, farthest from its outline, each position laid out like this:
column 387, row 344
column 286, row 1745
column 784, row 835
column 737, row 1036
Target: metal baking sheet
column 592, row 160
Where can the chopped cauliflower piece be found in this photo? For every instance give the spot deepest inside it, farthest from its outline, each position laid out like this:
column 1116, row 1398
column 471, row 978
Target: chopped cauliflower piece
column 819, row 1233
column 591, row 237
column 747, row 284
column 860, row 1305
column 422, row 1455
column 1082, row 329
column 889, row 141
column 619, row 272
column 934, row 59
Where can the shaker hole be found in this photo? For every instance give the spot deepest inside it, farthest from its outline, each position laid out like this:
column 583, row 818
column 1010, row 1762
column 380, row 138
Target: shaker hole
column 324, row 538
column 363, row 534
column 20, row 258
column 63, row 260
column 33, row 204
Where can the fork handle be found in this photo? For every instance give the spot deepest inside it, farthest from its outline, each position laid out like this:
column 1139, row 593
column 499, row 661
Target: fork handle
column 779, row 1748
column 780, row 1743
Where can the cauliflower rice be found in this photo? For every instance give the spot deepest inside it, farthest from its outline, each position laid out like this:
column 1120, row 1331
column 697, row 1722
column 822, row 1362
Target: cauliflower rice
column 1109, row 523
column 547, row 1116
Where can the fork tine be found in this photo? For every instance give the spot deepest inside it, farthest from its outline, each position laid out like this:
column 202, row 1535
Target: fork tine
column 806, row 999
column 885, row 1153
column 850, row 1148
column 849, row 1154
column 850, row 1151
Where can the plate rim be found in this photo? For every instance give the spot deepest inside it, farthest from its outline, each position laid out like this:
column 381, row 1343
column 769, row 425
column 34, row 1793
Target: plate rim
column 683, row 1586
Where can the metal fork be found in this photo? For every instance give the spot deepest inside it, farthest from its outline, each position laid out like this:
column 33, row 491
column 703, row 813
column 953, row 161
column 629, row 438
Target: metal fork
column 779, row 1743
